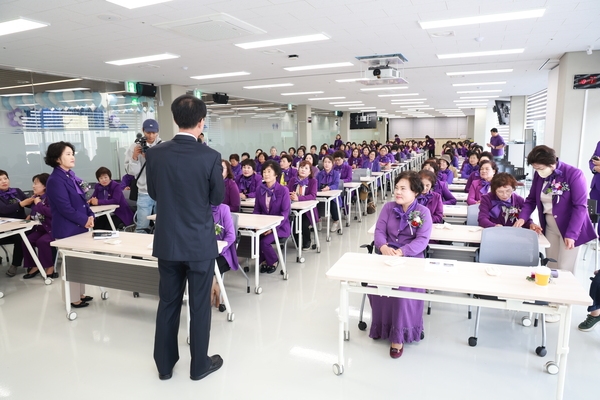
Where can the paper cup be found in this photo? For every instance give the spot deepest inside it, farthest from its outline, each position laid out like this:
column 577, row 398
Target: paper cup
column 542, row 275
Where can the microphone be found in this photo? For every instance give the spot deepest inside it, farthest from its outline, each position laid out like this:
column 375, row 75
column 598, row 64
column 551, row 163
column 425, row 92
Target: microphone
column 139, row 135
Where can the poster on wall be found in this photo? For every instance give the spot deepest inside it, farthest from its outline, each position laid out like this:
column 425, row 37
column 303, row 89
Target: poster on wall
column 587, row 81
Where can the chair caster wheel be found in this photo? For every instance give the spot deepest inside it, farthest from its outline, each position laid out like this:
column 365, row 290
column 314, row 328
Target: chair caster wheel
column 422, row 335
column 551, row 368
column 314, row 247
column 338, row 369
column 526, row 321
column 222, row 307
column 136, row 294
column 285, row 276
column 246, row 269
column 472, row 341
column 258, row 290
column 347, row 224
column 48, row 281
column 230, row 317
column 104, row 295
column 72, row 316
column 362, row 325
column 355, row 218
column 340, row 232
column 328, row 238
column 541, row 351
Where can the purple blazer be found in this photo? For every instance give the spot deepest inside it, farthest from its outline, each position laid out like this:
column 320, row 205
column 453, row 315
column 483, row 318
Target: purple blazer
column 310, row 191
column 433, row 201
column 237, row 170
column 447, row 196
column 258, row 168
column 9, row 205
column 286, row 175
column 222, row 216
column 232, row 195
column 372, row 165
column 491, row 214
column 113, row 194
column 331, row 179
column 70, row 210
column 569, row 209
column 41, row 212
column 467, row 169
column 473, row 177
column 280, row 205
column 595, row 186
column 126, row 181
column 296, row 161
column 248, row 185
column 337, row 143
column 475, row 192
column 355, row 161
column 412, row 241
column 345, row 171
column 446, row 176
column 274, row 158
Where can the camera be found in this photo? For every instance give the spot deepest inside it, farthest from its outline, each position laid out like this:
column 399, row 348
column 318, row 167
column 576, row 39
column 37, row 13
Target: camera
column 142, row 141
column 596, row 158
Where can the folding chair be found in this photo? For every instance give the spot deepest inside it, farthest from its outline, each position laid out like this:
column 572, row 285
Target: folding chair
column 592, row 206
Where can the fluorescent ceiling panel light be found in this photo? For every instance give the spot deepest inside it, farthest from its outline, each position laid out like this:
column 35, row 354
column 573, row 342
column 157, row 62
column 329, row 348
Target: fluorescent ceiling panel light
column 489, row 71
column 416, row 106
column 346, row 102
column 16, row 94
column 223, row 75
column 247, row 114
column 371, row 110
column 479, row 84
column 327, row 98
column 302, row 93
column 479, row 97
column 41, row 83
column 482, row 19
column 131, row 4
column 408, row 102
column 244, row 108
column 361, row 108
column 75, row 100
column 68, row 90
column 471, row 101
column 145, row 59
column 19, row 25
column 283, row 41
column 397, row 94
column 269, row 108
column 473, row 106
column 384, row 88
column 319, row 66
column 350, row 105
column 351, row 80
column 479, row 91
column 229, row 116
column 480, row 54
column 394, row 101
column 269, row 86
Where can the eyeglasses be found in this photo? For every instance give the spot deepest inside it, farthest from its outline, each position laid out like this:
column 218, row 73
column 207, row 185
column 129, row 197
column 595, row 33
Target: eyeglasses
column 505, row 191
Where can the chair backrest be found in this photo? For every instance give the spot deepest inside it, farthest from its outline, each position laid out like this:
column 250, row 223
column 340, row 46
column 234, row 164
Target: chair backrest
column 236, row 219
column 473, row 215
column 592, row 206
column 509, row 246
column 359, row 173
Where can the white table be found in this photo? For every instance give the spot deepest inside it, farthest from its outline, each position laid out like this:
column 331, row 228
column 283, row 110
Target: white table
column 82, row 263
column 460, row 181
column 372, row 182
column 254, row 225
column 329, row 197
column 247, row 204
column 456, row 187
column 455, row 210
column 105, row 210
column 350, row 187
column 460, row 196
column 299, row 208
column 354, row 268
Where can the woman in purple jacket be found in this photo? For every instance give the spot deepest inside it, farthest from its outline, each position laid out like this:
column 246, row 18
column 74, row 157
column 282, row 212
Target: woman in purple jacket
column 302, row 188
column 106, row 192
column 329, row 179
column 445, row 174
column 502, row 206
column 481, row 186
column 403, row 229
column 225, row 231
column 338, row 142
column 559, row 193
column 440, row 187
column 272, row 199
column 429, row 198
column 355, row 160
column 71, row 214
column 469, row 165
column 595, row 186
column 232, row 193
column 249, row 181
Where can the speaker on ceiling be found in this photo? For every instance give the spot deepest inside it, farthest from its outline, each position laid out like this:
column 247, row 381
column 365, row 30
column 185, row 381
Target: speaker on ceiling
column 220, row 98
column 145, row 89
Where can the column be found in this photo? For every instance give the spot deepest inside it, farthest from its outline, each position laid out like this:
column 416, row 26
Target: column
column 304, row 127
column 518, row 111
column 344, row 125
column 382, row 130
column 166, row 94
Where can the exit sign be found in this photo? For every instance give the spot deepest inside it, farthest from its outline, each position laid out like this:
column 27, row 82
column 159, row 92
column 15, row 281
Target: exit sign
column 198, row 93
column 130, row 87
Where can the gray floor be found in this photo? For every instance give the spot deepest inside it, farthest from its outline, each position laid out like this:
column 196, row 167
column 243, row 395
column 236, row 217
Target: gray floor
column 281, row 345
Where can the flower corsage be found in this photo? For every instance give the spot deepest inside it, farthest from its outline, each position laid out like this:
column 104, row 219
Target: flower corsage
column 512, row 213
column 218, row 229
column 415, row 220
column 557, row 188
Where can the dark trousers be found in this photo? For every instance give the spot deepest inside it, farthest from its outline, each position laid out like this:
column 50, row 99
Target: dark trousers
column 173, row 276
column 432, row 153
column 305, row 231
column 17, row 256
column 102, row 222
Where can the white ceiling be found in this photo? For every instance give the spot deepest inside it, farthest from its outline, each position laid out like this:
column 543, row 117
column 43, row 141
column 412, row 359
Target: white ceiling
column 78, row 43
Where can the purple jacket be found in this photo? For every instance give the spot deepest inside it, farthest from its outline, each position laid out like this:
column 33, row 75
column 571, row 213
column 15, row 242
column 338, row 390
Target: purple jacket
column 331, row 179
column 475, row 191
column 497, row 141
column 372, row 165
column 491, row 212
column 467, row 169
column 473, row 177
column 310, row 191
column 222, row 216
column 286, row 175
column 248, row 185
column 237, row 170
column 113, row 194
column 569, row 209
column 433, row 201
column 355, row 161
column 337, row 143
column 412, row 241
column 296, row 161
column 232, row 195
column 70, row 210
column 446, row 176
column 9, row 205
column 126, row 181
column 595, row 186
column 280, row 205
column 274, row 158
column 345, row 171
column 445, row 193
column 41, row 212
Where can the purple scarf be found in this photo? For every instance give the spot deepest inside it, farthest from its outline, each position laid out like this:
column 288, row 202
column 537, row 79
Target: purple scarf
column 485, row 187
column 424, row 199
column 403, row 216
column 76, row 181
column 245, row 182
column 265, row 190
column 497, row 207
column 303, row 182
column 11, row 193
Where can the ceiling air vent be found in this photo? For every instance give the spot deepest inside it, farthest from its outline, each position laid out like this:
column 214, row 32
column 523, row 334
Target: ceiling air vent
column 212, row 27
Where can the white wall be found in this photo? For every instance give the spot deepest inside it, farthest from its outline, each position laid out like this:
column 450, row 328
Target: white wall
column 437, row 128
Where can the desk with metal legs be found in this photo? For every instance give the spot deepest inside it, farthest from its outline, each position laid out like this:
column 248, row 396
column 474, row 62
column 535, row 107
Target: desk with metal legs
column 299, row 208
column 105, row 210
column 328, row 197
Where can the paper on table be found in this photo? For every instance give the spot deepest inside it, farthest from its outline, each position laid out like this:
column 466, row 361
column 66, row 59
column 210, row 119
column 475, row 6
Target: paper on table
column 434, row 264
column 394, row 261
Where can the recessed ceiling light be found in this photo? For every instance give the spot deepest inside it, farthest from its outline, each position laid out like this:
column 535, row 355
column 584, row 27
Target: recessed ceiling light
column 302, row 93
column 480, row 54
column 283, row 41
column 223, row 75
column 479, row 91
column 327, row 98
column 416, row 106
column 244, row 108
column 131, row 4
column 319, row 66
column 479, row 97
column 67, row 90
column 361, row 108
column 383, row 88
column 394, row 101
column 16, row 94
column 478, row 84
column 397, row 94
column 482, row 19
column 19, row 25
column 75, row 100
column 145, row 59
column 269, row 86
column 346, row 102
column 490, row 71
column 41, row 83
column 351, row 80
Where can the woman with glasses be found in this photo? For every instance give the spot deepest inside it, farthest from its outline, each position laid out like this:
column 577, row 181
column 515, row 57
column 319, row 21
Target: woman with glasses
column 502, row 206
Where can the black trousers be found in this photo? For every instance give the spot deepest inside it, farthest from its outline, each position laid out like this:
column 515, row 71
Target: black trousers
column 173, row 276
column 305, row 231
column 17, row 255
column 102, row 222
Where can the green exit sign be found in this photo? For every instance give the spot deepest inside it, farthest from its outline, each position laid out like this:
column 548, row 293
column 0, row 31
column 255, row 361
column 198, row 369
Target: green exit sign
column 130, row 86
column 135, row 101
column 198, row 93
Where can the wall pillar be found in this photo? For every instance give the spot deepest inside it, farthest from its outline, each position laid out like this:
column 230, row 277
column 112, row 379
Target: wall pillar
column 304, row 127
column 165, row 96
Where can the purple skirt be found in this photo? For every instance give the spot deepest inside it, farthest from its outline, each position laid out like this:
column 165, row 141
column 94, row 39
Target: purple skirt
column 398, row 320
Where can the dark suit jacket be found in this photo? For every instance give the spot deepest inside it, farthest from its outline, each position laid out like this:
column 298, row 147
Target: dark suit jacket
column 185, row 178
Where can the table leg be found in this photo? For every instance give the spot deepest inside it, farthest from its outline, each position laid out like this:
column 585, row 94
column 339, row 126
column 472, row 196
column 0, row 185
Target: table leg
column 280, row 255
column 348, row 206
column 358, row 206
column 299, row 243
column 562, row 349
column 315, row 230
column 230, row 315
column 328, row 214
column 71, row 315
column 35, row 258
column 338, row 368
column 255, row 247
column 110, row 221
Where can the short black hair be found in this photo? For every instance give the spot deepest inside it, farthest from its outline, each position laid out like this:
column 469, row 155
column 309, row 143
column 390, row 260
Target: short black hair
column 494, row 130
column 426, row 174
column 103, row 171
column 287, row 157
column 542, row 155
column 235, row 157
column 55, row 151
column 274, row 165
column 265, row 155
column 327, row 157
column 3, row 172
column 188, row 111
column 432, row 163
column 313, row 159
column 416, row 186
column 486, row 154
column 245, row 154
column 339, row 154
column 43, row 178
column 250, row 163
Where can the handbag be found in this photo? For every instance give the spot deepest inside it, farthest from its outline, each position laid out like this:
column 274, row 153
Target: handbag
column 133, row 189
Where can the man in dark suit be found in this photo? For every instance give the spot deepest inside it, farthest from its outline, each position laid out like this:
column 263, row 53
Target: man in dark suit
column 185, row 178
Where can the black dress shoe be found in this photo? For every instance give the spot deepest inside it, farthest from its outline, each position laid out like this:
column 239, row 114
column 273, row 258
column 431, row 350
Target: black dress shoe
column 80, row 305
column 87, row 298
column 263, row 269
column 216, row 363
column 271, row 269
column 164, row 377
column 32, row 274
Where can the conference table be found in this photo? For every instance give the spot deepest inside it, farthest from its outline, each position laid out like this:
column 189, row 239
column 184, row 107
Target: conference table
column 328, row 197
column 351, row 187
column 105, row 210
column 456, row 187
column 384, row 274
column 455, row 210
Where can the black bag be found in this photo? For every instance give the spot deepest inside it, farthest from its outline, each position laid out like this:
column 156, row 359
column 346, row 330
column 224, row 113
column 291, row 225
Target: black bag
column 133, row 189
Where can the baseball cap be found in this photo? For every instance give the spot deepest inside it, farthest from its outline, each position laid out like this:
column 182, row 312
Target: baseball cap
column 150, row 125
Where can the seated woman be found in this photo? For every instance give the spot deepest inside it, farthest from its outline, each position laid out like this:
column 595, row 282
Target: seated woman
column 481, row 186
column 302, row 188
column 430, row 199
column 260, row 160
column 501, row 206
column 355, row 160
column 272, row 199
column 403, row 229
column 273, row 154
column 232, row 193
column 329, row 179
column 225, row 231
column 249, row 181
column 475, row 174
column 365, row 154
column 287, row 172
column 445, row 174
column 40, row 235
column 12, row 205
column 469, row 165
column 314, row 161
column 440, row 187
column 299, row 157
column 372, row 163
column 107, row 192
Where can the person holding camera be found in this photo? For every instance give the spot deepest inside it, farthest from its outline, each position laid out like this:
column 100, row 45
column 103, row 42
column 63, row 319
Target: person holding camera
column 135, row 164
column 595, row 168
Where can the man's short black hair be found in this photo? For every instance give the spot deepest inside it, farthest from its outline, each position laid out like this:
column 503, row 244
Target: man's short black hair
column 494, row 130
column 188, row 111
